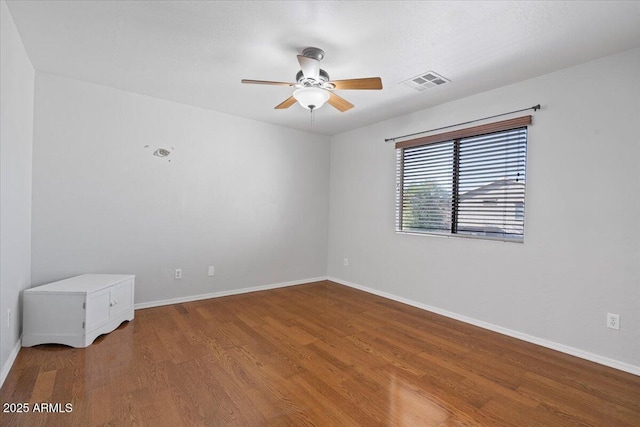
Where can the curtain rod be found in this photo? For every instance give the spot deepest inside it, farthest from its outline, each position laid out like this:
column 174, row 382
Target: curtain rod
column 534, row 108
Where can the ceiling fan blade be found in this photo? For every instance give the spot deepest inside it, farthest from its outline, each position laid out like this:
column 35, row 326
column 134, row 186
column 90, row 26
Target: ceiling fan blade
column 339, row 103
column 310, row 67
column 366, row 83
column 266, row 82
column 286, row 103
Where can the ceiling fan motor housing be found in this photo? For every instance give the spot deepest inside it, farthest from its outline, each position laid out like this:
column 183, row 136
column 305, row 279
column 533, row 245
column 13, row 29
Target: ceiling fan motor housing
column 323, row 77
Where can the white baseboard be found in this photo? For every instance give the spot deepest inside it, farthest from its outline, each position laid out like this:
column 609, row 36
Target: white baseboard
column 226, row 293
column 612, row 363
column 9, row 363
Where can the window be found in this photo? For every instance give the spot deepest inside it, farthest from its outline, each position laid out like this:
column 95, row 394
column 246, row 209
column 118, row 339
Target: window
column 469, row 182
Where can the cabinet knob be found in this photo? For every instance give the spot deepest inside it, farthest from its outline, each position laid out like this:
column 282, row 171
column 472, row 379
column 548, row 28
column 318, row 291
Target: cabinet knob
column 113, row 302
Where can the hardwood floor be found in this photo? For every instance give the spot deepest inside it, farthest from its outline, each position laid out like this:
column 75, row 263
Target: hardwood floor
column 317, row 354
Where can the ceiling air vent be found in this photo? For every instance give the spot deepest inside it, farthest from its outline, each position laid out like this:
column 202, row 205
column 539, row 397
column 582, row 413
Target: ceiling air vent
column 425, row 81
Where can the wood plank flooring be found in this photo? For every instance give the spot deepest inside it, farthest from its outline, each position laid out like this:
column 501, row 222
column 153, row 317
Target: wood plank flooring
column 317, row 354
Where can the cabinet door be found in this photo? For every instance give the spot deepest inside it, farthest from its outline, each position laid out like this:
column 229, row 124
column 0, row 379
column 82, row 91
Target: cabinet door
column 121, row 297
column 97, row 310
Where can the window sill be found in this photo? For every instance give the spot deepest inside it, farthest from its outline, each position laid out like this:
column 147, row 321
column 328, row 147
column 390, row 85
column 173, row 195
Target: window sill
column 461, row 236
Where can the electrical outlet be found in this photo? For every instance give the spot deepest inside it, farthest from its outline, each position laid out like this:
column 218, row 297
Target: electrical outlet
column 346, row 262
column 613, row 321
column 178, row 274
column 211, row 271
column 8, row 317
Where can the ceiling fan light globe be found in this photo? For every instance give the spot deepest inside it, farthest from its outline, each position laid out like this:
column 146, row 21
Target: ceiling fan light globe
column 311, row 98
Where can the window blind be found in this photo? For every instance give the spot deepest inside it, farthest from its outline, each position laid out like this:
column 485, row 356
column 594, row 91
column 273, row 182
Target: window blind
column 468, row 186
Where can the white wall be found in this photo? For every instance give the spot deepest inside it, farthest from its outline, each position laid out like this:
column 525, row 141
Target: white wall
column 16, row 136
column 247, row 197
column 581, row 254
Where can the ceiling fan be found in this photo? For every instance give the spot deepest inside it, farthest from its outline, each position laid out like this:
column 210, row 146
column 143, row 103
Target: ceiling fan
column 313, row 86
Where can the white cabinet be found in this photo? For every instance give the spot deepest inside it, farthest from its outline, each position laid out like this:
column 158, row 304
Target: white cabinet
column 76, row 311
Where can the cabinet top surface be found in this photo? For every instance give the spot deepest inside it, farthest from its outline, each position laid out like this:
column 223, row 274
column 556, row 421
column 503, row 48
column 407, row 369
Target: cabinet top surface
column 83, row 284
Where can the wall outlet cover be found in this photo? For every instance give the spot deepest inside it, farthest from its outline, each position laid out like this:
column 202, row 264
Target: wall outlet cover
column 613, row 321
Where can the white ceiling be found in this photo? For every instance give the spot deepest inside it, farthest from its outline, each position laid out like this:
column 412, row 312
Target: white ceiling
column 196, row 52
